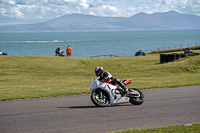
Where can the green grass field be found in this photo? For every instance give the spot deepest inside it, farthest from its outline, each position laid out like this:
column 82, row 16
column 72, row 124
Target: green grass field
column 195, row 128
column 25, row 77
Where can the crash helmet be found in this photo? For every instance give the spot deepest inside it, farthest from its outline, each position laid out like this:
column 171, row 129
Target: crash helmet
column 58, row 46
column 99, row 70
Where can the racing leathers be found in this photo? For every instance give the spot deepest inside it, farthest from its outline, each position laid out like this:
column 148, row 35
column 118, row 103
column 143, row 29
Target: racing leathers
column 106, row 76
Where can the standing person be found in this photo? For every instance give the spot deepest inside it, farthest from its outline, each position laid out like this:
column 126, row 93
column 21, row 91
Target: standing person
column 57, row 51
column 68, row 51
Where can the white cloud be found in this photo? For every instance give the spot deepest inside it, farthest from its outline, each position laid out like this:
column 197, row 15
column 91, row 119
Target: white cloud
column 84, row 4
column 2, row 11
column 11, row 2
column 10, row 10
column 69, row 0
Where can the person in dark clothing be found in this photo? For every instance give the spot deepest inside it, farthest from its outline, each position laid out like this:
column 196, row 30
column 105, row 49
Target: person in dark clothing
column 188, row 50
column 57, row 51
column 106, row 76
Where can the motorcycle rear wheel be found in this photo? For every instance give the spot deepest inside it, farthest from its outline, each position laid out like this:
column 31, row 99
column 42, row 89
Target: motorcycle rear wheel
column 97, row 101
column 136, row 100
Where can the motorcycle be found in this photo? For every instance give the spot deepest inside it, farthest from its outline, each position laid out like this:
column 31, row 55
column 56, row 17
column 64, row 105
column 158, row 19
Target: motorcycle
column 61, row 53
column 188, row 51
column 105, row 93
column 140, row 53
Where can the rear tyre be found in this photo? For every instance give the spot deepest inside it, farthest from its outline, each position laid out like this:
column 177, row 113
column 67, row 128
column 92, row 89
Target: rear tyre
column 103, row 102
column 136, row 100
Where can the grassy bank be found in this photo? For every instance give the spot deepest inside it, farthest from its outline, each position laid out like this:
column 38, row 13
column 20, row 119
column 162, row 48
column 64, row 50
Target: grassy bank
column 195, row 128
column 38, row 76
column 176, row 50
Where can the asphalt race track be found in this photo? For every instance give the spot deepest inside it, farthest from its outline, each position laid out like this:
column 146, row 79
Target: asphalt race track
column 77, row 114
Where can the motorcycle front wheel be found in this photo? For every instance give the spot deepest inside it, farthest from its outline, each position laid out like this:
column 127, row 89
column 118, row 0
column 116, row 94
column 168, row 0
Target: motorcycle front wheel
column 136, row 100
column 100, row 102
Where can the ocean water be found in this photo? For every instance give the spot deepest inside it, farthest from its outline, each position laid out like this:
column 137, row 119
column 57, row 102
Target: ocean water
column 88, row 44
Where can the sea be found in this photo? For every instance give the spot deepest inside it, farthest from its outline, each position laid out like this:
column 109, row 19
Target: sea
column 96, row 44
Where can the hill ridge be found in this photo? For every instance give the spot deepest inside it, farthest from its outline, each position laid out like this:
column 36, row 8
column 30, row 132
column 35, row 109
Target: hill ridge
column 81, row 22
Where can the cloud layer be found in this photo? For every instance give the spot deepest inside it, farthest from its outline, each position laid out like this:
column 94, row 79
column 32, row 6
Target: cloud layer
column 42, row 10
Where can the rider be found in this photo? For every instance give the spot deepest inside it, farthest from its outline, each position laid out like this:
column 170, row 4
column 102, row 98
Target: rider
column 57, row 51
column 105, row 76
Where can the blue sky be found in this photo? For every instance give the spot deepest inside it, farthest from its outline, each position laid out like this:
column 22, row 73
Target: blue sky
column 35, row 11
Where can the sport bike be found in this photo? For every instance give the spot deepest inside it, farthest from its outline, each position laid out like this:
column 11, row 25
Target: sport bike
column 105, row 93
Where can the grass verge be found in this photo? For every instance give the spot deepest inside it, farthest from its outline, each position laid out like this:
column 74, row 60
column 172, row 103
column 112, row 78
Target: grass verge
column 175, row 50
column 25, row 77
column 195, row 128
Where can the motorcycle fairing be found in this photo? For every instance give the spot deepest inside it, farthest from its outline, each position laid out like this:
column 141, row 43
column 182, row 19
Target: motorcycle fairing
column 110, row 90
column 128, row 81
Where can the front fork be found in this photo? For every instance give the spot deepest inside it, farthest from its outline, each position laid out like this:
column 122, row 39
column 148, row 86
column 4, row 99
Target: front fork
column 100, row 94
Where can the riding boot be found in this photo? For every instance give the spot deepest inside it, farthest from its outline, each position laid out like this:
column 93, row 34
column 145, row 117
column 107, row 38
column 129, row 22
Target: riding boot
column 125, row 88
column 120, row 90
column 122, row 86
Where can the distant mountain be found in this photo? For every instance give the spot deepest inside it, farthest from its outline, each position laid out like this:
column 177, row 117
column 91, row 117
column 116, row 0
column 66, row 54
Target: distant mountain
column 79, row 22
column 164, row 21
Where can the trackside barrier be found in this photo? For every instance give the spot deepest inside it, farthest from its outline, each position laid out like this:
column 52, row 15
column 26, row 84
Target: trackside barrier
column 165, row 58
column 109, row 55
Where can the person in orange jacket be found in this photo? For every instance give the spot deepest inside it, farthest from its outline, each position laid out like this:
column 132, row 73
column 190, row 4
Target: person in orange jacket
column 68, row 51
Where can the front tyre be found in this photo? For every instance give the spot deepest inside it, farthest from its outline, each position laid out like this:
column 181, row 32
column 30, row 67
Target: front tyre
column 100, row 102
column 136, row 99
